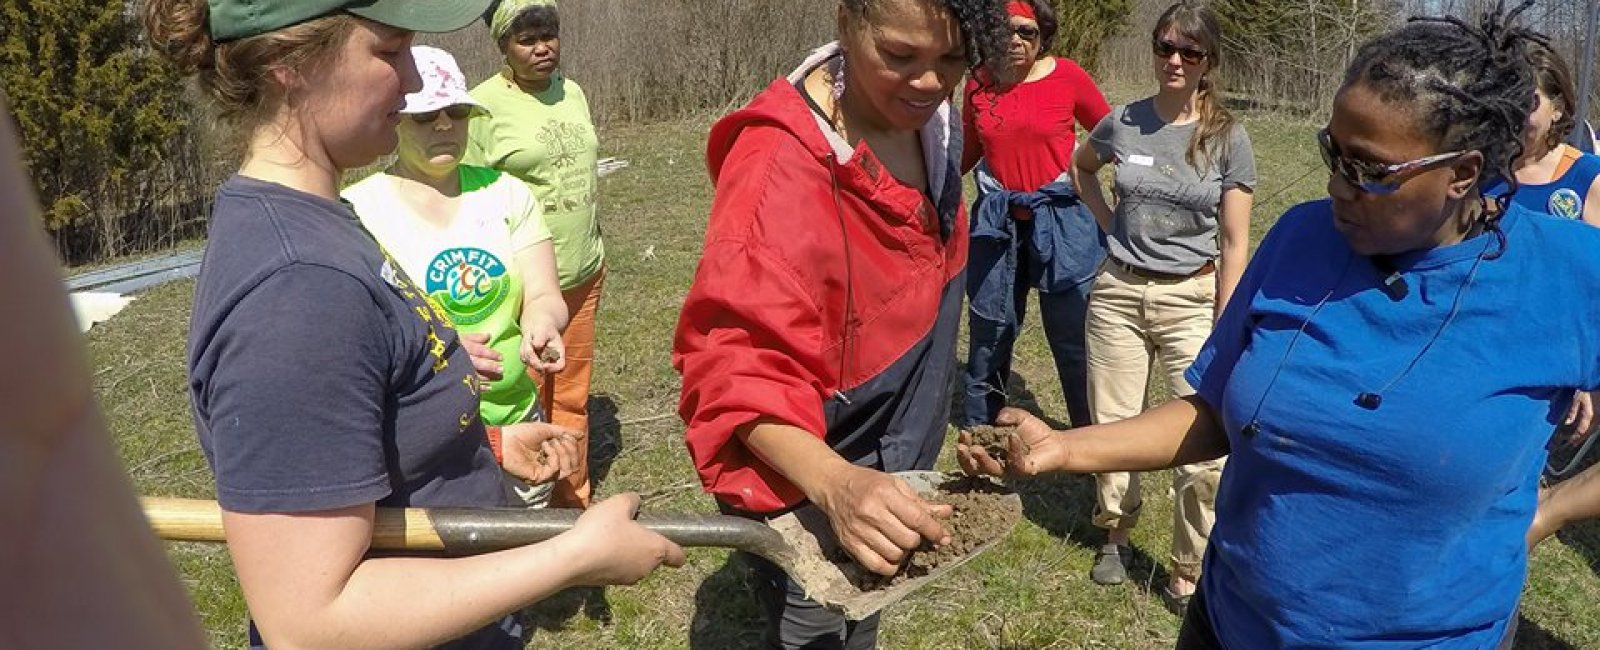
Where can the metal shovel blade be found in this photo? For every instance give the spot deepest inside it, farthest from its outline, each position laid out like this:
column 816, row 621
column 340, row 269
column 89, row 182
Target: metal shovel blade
column 834, row 585
column 802, row 542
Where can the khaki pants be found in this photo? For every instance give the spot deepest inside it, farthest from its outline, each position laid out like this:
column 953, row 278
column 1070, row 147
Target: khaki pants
column 1132, row 318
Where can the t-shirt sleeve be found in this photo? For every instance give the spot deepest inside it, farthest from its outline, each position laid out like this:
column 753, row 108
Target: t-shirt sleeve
column 295, row 403
column 1239, row 167
column 523, row 215
column 1102, row 138
column 1213, row 366
column 1089, row 105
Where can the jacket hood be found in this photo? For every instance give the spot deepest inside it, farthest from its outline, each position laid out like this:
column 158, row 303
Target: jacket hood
column 781, row 105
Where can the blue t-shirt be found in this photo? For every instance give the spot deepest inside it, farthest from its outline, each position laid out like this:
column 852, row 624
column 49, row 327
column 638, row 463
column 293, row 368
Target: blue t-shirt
column 1562, row 197
column 1340, row 526
column 319, row 376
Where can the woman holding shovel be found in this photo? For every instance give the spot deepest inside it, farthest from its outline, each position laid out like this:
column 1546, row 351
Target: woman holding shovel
column 1372, row 381
column 323, row 383
column 817, row 342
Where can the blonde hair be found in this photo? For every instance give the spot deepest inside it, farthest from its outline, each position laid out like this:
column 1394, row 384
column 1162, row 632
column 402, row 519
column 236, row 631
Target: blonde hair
column 236, row 75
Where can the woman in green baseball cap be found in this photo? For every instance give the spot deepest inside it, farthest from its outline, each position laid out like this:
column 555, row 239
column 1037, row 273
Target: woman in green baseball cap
column 323, row 382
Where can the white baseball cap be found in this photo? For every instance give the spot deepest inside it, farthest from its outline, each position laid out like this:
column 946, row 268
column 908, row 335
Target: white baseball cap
column 443, row 85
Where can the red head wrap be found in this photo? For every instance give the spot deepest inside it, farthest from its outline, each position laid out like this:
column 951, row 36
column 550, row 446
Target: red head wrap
column 1021, row 10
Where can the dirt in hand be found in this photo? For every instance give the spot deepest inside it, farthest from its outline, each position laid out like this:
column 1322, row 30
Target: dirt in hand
column 984, row 511
column 992, row 439
column 549, row 355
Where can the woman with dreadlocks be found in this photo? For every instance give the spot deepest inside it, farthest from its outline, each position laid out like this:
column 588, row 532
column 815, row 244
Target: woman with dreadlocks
column 817, row 343
column 1385, row 447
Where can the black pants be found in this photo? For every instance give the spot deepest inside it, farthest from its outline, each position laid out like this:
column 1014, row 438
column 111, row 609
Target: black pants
column 1197, row 633
column 795, row 622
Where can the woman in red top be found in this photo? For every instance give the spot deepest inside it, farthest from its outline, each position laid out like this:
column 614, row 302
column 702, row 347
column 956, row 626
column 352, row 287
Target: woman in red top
column 1029, row 228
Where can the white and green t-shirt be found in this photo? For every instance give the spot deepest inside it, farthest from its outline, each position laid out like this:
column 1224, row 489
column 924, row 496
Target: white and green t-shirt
column 467, row 267
column 548, row 140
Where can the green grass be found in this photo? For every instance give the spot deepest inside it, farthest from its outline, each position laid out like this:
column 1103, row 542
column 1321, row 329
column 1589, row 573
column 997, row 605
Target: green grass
column 1030, row 591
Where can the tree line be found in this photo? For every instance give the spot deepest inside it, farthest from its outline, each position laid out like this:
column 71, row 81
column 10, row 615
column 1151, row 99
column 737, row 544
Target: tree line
column 124, row 159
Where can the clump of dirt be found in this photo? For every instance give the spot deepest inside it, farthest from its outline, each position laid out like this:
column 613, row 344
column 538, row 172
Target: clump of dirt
column 549, row 355
column 992, row 439
column 984, row 511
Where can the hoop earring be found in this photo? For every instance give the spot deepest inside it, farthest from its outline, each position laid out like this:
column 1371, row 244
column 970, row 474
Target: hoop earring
column 838, row 79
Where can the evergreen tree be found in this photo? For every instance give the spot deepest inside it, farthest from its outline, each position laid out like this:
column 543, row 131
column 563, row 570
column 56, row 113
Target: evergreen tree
column 1084, row 25
column 101, row 117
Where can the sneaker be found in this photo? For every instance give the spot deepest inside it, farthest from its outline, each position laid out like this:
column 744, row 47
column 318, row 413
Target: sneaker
column 1110, row 565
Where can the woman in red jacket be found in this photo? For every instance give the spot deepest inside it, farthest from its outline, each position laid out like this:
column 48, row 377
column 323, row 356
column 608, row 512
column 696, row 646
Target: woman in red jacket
column 817, row 343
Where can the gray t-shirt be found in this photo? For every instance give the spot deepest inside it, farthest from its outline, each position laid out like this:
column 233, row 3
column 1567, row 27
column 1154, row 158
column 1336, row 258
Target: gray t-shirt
column 1166, row 212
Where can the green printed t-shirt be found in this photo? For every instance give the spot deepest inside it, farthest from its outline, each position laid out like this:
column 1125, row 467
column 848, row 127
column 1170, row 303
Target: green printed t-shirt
column 467, row 268
column 547, row 140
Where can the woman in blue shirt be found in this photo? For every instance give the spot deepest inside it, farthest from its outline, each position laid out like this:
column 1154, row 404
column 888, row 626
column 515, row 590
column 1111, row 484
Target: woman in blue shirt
column 1555, row 177
column 1384, row 411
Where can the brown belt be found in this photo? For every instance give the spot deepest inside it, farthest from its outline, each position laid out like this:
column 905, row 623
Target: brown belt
column 1209, row 267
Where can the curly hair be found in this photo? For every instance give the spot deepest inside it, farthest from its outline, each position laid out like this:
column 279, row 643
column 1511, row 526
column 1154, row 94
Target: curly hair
column 1044, row 13
column 1554, row 80
column 984, row 29
column 1469, row 86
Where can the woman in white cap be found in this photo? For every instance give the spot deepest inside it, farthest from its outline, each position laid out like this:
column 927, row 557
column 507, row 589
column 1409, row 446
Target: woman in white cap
column 323, row 383
column 474, row 241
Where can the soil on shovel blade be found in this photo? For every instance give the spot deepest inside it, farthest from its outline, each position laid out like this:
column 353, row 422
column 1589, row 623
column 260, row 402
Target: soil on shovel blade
column 983, row 512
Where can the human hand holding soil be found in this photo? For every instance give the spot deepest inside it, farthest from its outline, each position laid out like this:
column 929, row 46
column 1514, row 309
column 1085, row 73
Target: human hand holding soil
column 542, row 349
column 1032, row 448
column 613, row 548
column 538, row 452
column 878, row 518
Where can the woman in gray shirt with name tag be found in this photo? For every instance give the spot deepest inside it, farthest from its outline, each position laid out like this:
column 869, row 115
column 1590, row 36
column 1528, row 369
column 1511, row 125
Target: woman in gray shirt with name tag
column 1179, row 239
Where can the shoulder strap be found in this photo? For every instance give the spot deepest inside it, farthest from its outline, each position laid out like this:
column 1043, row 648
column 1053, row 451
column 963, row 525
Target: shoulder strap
column 1569, row 155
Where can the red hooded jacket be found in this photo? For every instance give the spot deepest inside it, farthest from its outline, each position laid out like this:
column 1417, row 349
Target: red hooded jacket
column 828, row 297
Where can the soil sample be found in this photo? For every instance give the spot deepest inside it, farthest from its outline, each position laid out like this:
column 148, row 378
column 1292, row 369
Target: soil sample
column 549, row 355
column 992, row 439
column 984, row 511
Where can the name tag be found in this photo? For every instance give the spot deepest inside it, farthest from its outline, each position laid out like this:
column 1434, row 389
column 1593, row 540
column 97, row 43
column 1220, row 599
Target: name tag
column 1141, row 160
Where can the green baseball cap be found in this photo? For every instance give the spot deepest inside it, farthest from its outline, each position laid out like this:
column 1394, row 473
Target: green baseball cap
column 235, row 19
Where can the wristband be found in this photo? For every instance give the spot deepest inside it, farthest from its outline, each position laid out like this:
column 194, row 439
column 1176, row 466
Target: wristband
column 494, row 444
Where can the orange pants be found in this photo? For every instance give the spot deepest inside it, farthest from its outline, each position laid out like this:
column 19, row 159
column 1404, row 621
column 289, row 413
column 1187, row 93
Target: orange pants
column 565, row 395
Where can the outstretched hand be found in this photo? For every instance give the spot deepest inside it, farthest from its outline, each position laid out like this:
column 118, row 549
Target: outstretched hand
column 1033, row 448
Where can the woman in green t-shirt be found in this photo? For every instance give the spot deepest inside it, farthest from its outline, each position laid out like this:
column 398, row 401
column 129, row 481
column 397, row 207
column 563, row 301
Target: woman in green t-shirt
column 539, row 131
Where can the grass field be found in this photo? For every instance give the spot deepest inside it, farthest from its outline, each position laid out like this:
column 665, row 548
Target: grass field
column 1031, row 591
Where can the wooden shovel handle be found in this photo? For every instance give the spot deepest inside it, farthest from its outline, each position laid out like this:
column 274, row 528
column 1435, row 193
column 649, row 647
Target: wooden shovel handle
column 470, row 531
column 200, row 520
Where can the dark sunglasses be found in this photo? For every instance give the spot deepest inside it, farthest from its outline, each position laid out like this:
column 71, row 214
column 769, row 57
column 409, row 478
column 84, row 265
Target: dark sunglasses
column 1165, row 49
column 1376, row 178
column 1026, row 32
column 455, row 111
